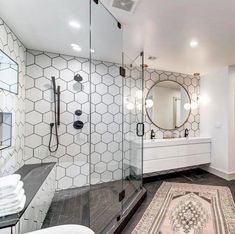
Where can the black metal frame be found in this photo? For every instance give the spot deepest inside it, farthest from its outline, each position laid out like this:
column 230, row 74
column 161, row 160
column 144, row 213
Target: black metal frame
column 146, row 109
column 17, row 75
column 10, row 139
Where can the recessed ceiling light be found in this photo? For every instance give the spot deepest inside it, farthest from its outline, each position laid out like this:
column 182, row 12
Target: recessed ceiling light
column 92, row 51
column 193, row 43
column 74, row 24
column 76, row 47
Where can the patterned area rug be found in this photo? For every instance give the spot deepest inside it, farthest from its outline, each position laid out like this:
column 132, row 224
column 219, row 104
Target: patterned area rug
column 179, row 208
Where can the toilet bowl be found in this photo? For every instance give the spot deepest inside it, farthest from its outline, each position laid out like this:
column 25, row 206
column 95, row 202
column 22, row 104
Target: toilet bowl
column 62, row 229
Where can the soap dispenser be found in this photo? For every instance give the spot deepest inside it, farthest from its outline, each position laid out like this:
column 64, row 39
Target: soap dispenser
column 152, row 134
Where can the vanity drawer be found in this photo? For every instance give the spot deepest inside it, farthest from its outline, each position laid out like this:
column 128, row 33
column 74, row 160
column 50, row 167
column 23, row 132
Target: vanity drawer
column 194, row 149
column 160, row 152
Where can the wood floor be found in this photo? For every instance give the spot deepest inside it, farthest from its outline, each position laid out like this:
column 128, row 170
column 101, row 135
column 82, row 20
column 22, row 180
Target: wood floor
column 95, row 208
column 101, row 205
column 195, row 176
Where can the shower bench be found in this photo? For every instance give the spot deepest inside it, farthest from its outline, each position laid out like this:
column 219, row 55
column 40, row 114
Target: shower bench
column 39, row 186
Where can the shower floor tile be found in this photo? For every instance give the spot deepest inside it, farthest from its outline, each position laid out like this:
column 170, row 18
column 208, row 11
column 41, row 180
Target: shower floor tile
column 94, row 208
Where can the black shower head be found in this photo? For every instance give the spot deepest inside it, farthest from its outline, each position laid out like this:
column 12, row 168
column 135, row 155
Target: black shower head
column 53, row 84
column 78, row 78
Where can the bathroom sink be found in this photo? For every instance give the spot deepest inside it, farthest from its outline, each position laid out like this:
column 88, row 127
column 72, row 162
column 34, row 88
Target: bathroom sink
column 175, row 141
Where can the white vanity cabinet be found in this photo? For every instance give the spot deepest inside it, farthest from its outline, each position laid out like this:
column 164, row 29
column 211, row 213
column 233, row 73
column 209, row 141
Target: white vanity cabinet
column 166, row 154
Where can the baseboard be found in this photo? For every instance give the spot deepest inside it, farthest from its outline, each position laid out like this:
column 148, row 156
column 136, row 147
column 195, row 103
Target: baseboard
column 219, row 172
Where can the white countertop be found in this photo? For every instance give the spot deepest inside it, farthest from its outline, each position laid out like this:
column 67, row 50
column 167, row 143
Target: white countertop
column 175, row 141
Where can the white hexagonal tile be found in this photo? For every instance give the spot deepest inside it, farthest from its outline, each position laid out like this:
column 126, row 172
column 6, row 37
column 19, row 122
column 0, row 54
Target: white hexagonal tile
column 101, row 128
column 33, row 141
column 67, row 75
column 74, row 65
column 42, row 129
column 81, row 97
column 67, row 118
column 80, row 180
column 65, row 183
column 108, row 118
column 106, row 176
column 60, row 172
column 66, row 139
column 43, row 60
column 113, row 147
column 34, row 71
column 101, row 89
column 100, row 167
column 34, row 118
column 100, row 147
column 42, row 106
column 34, row 94
column 107, row 99
column 51, row 71
column 59, row 63
column 106, row 157
column 107, row 137
column 43, row 83
column 67, row 96
column 101, row 69
column 41, row 152
column 101, row 108
column 73, row 171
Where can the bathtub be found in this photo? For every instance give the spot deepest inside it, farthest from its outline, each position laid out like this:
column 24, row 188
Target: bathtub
column 71, row 229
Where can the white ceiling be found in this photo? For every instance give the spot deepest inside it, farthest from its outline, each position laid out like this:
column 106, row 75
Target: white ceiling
column 162, row 28
column 44, row 25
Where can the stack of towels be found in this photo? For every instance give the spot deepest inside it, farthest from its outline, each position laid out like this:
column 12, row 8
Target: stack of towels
column 12, row 195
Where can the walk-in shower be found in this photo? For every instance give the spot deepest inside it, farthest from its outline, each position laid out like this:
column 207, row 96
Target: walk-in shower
column 92, row 93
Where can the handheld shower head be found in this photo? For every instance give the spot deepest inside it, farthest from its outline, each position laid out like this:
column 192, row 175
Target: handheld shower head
column 78, row 78
column 53, row 84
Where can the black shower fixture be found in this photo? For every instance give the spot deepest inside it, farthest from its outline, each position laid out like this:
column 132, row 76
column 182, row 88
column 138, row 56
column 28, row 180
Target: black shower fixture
column 78, row 112
column 78, row 78
column 56, row 94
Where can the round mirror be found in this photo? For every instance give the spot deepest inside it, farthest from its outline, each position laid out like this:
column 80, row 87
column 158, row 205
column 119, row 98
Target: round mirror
column 168, row 105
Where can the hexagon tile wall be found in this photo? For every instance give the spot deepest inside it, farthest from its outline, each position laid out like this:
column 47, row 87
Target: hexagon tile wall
column 106, row 89
column 12, row 158
column 73, row 153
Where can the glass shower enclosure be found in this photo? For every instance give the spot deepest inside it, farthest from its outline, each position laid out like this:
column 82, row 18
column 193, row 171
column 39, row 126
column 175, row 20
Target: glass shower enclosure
column 116, row 122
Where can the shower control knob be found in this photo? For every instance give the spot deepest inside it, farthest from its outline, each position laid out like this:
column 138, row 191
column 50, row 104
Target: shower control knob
column 78, row 112
column 78, row 124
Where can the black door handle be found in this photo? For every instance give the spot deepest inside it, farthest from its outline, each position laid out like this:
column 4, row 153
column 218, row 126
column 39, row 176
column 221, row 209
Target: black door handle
column 140, row 129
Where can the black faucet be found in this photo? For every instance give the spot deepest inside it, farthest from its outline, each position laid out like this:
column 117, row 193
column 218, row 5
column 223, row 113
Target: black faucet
column 152, row 134
column 186, row 132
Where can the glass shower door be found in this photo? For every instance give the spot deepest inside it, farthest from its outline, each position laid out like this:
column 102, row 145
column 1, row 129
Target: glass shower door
column 106, row 119
column 133, row 129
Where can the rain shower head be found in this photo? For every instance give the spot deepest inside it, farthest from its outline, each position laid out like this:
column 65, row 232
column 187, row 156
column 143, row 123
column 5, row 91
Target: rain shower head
column 78, row 78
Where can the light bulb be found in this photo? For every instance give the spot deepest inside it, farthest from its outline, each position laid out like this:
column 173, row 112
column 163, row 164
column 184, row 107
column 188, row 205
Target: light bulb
column 130, row 106
column 187, row 106
column 74, row 24
column 149, row 103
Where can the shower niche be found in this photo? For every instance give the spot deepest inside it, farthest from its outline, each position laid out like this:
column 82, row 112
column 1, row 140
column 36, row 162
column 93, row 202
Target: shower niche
column 5, row 130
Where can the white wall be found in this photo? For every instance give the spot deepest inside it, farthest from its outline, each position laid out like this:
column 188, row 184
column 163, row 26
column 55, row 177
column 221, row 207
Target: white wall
column 217, row 119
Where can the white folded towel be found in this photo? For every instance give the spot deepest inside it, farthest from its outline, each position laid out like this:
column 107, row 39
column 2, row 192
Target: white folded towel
column 9, row 183
column 14, row 210
column 11, row 203
column 14, row 193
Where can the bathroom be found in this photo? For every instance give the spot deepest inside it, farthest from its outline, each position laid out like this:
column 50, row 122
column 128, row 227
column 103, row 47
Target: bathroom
column 116, row 117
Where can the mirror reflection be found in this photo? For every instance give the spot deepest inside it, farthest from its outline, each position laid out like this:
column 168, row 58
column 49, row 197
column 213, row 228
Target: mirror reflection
column 168, row 105
column 8, row 73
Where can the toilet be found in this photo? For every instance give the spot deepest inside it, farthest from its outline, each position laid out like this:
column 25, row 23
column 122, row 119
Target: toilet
column 62, row 229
